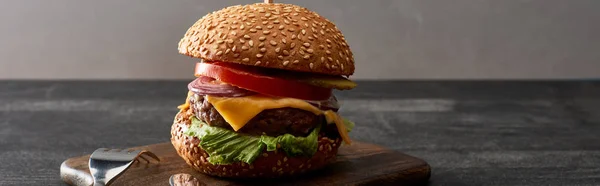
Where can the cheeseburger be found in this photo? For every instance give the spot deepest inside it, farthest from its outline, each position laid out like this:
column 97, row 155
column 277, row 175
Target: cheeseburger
column 262, row 102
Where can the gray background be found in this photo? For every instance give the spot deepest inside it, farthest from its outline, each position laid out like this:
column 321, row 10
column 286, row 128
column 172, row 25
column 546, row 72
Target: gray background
column 392, row 39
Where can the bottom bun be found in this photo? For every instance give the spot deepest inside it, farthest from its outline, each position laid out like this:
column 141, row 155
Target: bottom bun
column 268, row 165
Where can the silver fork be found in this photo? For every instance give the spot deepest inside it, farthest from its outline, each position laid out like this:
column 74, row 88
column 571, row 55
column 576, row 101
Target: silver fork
column 108, row 164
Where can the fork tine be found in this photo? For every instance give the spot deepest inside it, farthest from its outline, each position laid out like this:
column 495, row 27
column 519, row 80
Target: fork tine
column 114, row 150
column 152, row 155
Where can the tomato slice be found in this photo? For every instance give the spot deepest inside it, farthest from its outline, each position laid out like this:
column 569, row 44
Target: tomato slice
column 257, row 80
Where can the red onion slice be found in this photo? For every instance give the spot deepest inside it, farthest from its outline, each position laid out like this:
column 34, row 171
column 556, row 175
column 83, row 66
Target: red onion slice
column 208, row 86
column 329, row 104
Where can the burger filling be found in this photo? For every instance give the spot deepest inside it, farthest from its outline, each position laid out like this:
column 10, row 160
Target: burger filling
column 238, row 112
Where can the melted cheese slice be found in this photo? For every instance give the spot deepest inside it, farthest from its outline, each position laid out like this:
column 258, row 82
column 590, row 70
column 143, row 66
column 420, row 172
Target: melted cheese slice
column 238, row 111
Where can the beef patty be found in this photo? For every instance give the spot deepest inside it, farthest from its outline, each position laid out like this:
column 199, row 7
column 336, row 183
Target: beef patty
column 272, row 122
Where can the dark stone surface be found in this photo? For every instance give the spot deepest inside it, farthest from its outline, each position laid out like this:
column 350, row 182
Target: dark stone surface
column 472, row 133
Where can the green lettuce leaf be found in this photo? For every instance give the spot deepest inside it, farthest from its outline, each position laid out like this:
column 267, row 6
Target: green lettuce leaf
column 226, row 146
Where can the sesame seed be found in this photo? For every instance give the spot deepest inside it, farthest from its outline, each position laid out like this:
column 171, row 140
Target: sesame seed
column 220, row 42
column 242, row 41
column 265, row 22
column 251, row 43
column 234, row 48
column 303, row 18
column 277, row 50
column 301, row 51
column 306, row 44
column 276, row 22
column 330, row 59
column 283, row 33
column 257, row 63
column 285, row 159
column 328, row 52
column 273, row 43
column 306, row 25
column 328, row 46
column 263, row 50
column 310, row 38
column 278, row 163
column 261, row 45
column 328, row 147
column 296, row 61
column 259, row 27
column 327, row 66
column 262, row 38
column 322, row 32
column 292, row 45
column 281, row 27
column 268, row 15
column 251, row 16
column 320, row 147
column 224, row 169
column 246, row 59
column 227, row 51
column 242, row 27
column 269, row 26
column 303, row 32
column 236, row 55
column 310, row 51
column 246, row 36
column 259, row 55
column 285, row 52
column 219, row 53
column 285, row 63
column 342, row 67
column 328, row 41
column 245, row 47
column 292, row 53
column 347, row 59
column 286, row 21
column 301, row 165
column 253, row 30
column 233, row 33
column 293, row 36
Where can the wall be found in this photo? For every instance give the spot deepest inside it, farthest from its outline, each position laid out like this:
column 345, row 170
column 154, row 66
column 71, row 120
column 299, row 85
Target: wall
column 392, row 39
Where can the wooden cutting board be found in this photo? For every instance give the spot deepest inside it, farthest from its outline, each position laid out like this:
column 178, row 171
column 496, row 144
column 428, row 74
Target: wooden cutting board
column 357, row 164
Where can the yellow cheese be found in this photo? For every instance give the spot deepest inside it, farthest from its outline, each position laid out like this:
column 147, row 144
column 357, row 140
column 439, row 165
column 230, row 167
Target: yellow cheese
column 238, row 111
column 186, row 105
column 333, row 117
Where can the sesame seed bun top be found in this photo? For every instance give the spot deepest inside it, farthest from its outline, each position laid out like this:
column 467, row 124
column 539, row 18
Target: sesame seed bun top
column 281, row 36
